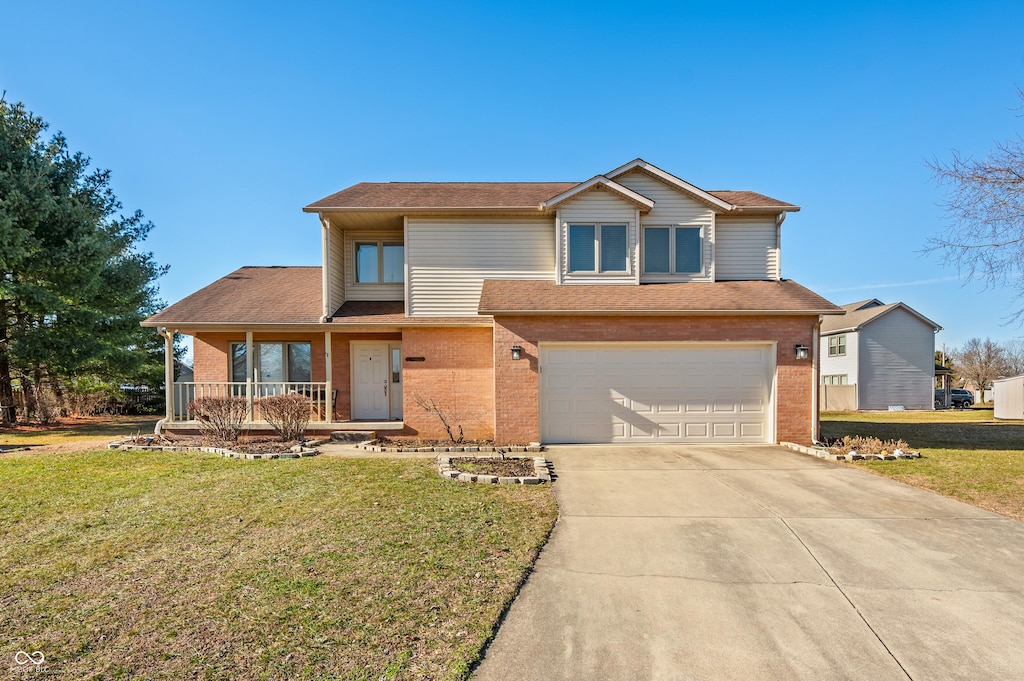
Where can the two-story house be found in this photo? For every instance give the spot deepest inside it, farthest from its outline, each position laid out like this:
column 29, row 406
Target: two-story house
column 632, row 307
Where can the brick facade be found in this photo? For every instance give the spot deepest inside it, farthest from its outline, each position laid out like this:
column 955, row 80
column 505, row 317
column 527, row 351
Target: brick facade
column 516, row 383
column 457, row 372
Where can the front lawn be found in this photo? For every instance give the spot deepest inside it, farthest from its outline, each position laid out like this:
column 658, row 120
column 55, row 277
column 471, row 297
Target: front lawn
column 76, row 430
column 167, row 565
column 965, row 454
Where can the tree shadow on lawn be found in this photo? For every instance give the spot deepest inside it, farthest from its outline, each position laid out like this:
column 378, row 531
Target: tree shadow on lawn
column 75, row 428
column 965, row 435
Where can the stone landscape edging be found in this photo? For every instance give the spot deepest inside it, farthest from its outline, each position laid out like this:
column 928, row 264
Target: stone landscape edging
column 825, row 454
column 376, row 446
column 541, row 470
column 229, row 453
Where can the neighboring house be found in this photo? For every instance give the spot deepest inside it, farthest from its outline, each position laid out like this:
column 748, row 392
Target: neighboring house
column 886, row 351
column 632, row 307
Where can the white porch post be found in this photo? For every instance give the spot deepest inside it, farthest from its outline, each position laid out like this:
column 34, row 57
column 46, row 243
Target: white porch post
column 249, row 365
column 329, row 376
column 168, row 373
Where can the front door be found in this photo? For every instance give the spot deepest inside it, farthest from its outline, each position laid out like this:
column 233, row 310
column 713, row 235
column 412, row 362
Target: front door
column 376, row 381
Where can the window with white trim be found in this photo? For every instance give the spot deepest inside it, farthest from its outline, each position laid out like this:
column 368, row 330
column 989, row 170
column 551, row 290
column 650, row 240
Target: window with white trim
column 273, row 362
column 379, row 262
column 673, row 250
column 598, row 247
column 837, row 346
column 835, row 379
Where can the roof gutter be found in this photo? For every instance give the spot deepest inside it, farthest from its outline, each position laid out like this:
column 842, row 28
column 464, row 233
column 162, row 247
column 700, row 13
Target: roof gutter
column 663, row 313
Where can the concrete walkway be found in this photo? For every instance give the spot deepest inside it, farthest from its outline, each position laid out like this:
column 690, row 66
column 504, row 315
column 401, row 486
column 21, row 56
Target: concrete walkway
column 758, row 563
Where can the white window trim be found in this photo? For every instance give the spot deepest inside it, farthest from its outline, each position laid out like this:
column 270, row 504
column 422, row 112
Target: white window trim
column 380, row 243
column 702, row 272
column 837, row 352
column 597, row 248
column 256, row 354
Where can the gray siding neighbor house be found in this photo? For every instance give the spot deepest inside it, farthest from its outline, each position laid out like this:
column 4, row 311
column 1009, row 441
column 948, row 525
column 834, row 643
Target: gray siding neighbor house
column 886, row 351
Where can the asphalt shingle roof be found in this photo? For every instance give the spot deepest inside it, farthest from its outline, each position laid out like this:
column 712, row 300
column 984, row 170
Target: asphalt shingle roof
column 741, row 297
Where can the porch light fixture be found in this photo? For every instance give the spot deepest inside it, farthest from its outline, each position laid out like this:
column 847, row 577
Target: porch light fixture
column 517, row 352
column 802, row 351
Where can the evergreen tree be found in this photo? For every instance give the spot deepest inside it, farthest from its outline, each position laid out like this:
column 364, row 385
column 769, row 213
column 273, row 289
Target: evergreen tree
column 73, row 287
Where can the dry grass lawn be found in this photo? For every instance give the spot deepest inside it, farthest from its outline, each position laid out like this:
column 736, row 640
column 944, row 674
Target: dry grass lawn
column 122, row 565
column 966, row 455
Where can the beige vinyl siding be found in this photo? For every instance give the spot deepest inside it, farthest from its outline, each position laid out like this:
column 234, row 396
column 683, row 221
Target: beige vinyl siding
column 746, row 248
column 673, row 207
column 336, row 260
column 448, row 260
column 897, row 362
column 598, row 206
column 354, row 291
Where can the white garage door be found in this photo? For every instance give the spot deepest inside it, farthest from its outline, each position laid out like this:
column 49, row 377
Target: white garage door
column 620, row 392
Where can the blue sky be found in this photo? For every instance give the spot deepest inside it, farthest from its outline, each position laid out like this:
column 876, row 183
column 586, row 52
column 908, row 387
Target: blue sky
column 221, row 120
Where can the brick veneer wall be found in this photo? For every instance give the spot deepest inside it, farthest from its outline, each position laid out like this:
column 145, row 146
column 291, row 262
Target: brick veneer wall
column 517, row 389
column 457, row 373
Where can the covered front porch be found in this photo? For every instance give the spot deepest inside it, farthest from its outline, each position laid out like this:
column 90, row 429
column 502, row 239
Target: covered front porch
column 353, row 381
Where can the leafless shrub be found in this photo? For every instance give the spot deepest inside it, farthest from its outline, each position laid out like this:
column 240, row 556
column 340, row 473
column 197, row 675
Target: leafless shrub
column 868, row 446
column 47, row 406
column 220, row 417
column 448, row 418
column 288, row 414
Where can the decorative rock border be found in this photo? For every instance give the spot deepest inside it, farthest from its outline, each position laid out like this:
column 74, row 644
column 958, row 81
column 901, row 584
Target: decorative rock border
column 541, row 469
column 376, row 446
column 296, row 452
column 825, row 454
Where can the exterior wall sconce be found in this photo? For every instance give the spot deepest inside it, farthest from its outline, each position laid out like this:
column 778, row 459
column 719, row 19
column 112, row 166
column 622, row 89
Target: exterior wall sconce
column 802, row 352
column 517, row 352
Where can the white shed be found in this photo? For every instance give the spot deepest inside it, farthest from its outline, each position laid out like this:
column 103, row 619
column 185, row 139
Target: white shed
column 1008, row 395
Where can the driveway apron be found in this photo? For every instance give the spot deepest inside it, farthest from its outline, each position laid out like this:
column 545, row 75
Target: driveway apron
column 753, row 562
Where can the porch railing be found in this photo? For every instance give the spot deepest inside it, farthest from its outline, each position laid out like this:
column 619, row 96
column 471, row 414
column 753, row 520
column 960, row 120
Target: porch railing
column 321, row 404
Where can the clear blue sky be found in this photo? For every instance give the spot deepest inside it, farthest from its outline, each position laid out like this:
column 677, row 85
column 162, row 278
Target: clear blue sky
column 220, row 121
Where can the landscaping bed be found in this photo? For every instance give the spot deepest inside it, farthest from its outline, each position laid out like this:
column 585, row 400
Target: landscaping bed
column 243, row 448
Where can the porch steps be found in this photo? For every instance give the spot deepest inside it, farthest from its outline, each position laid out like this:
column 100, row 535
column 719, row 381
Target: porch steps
column 351, row 436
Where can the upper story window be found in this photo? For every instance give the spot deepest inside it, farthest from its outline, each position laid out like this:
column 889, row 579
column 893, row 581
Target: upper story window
column 380, row 262
column 673, row 250
column 598, row 247
column 837, row 346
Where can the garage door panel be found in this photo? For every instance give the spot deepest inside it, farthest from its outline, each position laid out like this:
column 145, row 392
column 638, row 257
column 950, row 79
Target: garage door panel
column 633, row 392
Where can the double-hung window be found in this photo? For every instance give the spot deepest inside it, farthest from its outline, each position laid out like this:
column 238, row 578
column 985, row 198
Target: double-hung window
column 598, row 247
column 837, row 346
column 380, row 262
column 673, row 250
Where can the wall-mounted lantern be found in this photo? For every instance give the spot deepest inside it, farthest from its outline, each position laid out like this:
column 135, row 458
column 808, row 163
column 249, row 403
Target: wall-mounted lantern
column 517, row 352
column 802, row 352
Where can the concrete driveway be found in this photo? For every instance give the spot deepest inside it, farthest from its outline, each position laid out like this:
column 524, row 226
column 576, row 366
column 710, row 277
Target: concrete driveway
column 755, row 562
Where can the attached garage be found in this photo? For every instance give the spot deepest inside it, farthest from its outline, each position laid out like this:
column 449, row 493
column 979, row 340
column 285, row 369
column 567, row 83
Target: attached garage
column 656, row 392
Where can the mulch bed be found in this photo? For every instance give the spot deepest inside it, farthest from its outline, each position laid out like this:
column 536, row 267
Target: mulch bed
column 482, row 465
column 244, row 445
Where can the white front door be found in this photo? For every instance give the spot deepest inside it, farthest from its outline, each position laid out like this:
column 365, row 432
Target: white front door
column 376, row 381
column 370, row 381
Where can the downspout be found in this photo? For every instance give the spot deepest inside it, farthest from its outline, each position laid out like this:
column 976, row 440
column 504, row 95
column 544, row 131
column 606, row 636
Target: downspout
column 815, row 378
column 168, row 379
